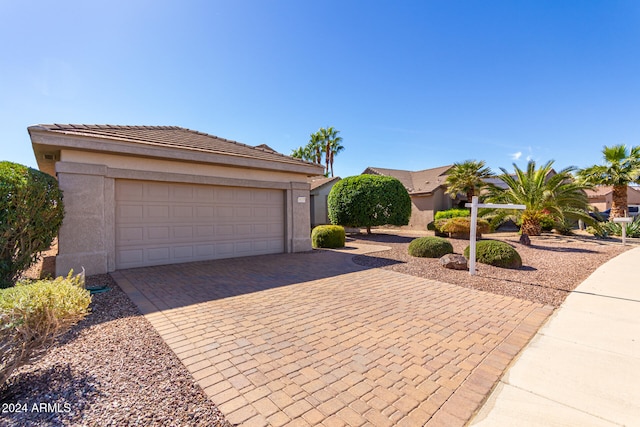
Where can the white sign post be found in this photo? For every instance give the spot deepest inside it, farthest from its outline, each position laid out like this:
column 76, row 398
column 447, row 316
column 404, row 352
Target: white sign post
column 474, row 205
column 623, row 226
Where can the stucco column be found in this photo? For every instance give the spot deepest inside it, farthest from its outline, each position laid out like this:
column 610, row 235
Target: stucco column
column 81, row 240
column 299, row 216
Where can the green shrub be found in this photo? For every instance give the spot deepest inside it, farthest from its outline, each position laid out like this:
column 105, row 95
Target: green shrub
column 460, row 227
column 31, row 212
column 598, row 231
column 430, row 247
column 547, row 223
column 328, row 236
column 34, row 314
column 615, row 228
column 452, row 213
column 496, row 253
column 369, row 200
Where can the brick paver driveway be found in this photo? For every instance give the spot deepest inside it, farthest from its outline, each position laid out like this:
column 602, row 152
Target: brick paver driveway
column 312, row 339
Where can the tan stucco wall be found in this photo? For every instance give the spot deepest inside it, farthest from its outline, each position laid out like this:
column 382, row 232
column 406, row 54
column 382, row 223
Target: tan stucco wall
column 424, row 207
column 320, row 214
column 168, row 166
column 87, row 236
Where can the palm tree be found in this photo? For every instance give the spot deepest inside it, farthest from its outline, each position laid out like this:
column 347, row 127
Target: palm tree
column 330, row 139
column 621, row 168
column 336, row 148
column 467, row 177
column 559, row 196
column 303, row 153
column 316, row 146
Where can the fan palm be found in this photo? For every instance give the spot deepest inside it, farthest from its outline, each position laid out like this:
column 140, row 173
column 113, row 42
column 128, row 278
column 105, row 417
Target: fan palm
column 622, row 167
column 331, row 141
column 467, row 177
column 559, row 196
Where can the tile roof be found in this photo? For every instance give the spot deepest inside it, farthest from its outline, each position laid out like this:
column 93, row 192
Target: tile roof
column 418, row 182
column 170, row 136
column 319, row 181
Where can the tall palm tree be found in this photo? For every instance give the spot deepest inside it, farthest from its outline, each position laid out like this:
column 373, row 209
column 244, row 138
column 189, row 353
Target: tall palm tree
column 316, row 146
column 559, row 196
column 330, row 140
column 467, row 177
column 336, row 148
column 621, row 168
column 303, row 153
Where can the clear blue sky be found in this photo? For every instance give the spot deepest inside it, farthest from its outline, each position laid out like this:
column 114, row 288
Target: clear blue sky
column 410, row 84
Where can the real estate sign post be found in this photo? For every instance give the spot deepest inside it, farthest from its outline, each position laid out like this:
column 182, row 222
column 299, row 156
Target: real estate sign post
column 474, row 205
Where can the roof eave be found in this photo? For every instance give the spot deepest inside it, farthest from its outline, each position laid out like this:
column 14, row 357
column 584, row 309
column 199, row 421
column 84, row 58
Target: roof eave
column 44, row 140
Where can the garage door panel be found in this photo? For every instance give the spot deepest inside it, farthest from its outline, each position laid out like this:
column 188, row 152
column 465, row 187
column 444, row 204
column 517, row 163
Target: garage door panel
column 163, row 223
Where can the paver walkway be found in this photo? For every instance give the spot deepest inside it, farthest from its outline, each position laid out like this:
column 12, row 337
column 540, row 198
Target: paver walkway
column 312, row 339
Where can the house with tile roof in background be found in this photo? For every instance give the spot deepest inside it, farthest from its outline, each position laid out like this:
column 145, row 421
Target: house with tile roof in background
column 601, row 197
column 427, row 191
column 319, row 194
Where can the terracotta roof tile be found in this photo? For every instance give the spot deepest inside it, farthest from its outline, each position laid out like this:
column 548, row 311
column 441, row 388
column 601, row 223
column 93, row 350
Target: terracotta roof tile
column 171, row 136
column 423, row 181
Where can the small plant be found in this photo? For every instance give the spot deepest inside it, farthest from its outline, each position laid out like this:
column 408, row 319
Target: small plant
column 452, row 213
column 34, row 314
column 598, row 231
column 615, row 228
column 496, row 253
column 430, row 247
column 328, row 236
column 460, row 227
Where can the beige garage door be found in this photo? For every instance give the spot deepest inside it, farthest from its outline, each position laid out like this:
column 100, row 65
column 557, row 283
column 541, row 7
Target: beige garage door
column 164, row 223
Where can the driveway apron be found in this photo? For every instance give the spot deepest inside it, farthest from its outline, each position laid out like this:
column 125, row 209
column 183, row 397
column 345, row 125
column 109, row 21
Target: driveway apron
column 312, row 339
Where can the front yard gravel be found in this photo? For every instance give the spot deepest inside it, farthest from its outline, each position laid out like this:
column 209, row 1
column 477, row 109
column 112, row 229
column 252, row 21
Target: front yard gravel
column 552, row 266
column 112, row 369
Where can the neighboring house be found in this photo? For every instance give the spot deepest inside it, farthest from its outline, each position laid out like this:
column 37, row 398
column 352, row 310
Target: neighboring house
column 139, row 196
column 320, row 188
column 601, row 196
column 427, row 190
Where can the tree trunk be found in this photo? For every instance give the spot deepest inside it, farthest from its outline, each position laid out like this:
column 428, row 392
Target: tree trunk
column 531, row 227
column 368, row 229
column 470, row 195
column 618, row 202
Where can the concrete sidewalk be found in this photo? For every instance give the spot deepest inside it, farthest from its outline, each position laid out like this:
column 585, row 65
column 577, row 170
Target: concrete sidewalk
column 583, row 366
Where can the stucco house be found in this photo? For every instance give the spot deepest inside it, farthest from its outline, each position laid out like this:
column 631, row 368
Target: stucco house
column 601, row 197
column 426, row 189
column 320, row 188
column 148, row 195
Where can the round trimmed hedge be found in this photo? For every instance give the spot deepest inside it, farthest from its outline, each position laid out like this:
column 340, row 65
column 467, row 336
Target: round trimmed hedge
column 496, row 253
column 328, row 236
column 430, row 247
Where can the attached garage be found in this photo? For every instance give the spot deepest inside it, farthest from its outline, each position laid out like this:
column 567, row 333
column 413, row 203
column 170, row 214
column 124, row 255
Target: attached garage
column 165, row 223
column 139, row 196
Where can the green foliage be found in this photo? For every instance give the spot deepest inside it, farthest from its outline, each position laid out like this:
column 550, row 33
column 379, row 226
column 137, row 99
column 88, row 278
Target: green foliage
column 467, row 178
column 31, row 213
column 34, row 314
column 598, row 231
column 496, row 253
column 323, row 143
column 328, row 236
column 544, row 193
column 460, row 227
column 452, row 213
column 369, row 200
column 621, row 168
column 430, row 247
column 615, row 228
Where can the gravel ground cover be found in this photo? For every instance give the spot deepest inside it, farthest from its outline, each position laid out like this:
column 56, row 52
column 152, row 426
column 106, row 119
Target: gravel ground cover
column 552, row 266
column 112, row 369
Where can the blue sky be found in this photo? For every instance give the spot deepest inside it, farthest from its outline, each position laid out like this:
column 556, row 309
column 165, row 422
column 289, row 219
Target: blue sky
column 410, row 84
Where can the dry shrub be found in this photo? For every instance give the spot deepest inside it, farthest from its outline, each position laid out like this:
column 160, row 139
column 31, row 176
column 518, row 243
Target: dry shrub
column 34, row 314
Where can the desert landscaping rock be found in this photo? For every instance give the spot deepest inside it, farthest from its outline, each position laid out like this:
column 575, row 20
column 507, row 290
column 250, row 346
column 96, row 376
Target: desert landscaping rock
column 112, row 369
column 553, row 265
column 454, row 262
